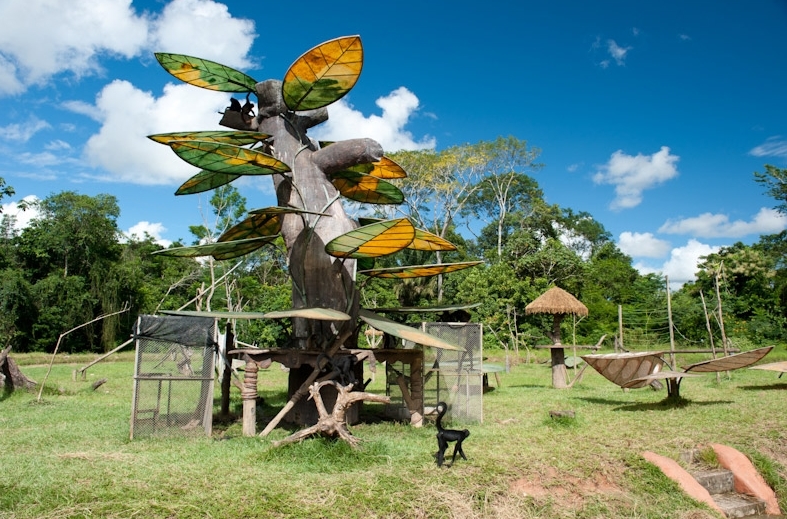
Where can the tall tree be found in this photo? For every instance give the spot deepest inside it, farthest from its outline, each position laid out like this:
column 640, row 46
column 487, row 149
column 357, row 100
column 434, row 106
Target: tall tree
column 748, row 285
column 68, row 252
column 582, row 233
column 505, row 184
column 438, row 186
column 775, row 181
column 5, row 191
column 228, row 207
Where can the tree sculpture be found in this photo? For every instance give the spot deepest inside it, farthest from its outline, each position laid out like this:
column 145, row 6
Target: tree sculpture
column 325, row 247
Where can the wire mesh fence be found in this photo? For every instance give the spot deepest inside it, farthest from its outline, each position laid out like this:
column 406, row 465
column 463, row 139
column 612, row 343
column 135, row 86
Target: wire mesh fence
column 456, row 377
column 173, row 376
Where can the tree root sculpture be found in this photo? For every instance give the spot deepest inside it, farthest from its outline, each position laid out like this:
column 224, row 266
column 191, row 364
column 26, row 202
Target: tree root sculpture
column 333, row 424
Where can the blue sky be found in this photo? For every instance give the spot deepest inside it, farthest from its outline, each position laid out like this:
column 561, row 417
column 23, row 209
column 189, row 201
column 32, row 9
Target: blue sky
column 651, row 116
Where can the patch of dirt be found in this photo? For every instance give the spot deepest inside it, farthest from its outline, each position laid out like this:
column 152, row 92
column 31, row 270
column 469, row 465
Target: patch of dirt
column 569, row 489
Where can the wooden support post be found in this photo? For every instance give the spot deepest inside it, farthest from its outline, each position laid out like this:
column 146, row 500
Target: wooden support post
column 226, row 377
column 249, row 397
column 710, row 332
column 721, row 317
column 671, row 327
column 417, row 389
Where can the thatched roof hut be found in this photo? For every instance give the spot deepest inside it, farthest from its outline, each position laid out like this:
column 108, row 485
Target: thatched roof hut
column 559, row 303
column 556, row 301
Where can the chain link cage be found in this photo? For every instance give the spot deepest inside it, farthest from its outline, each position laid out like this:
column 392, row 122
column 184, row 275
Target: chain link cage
column 456, row 377
column 173, row 376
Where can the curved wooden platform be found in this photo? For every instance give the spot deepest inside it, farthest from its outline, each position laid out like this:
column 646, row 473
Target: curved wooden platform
column 730, row 362
column 623, row 368
column 635, row 370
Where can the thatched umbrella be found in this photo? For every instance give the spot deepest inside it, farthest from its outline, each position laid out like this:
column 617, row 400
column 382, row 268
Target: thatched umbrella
column 559, row 303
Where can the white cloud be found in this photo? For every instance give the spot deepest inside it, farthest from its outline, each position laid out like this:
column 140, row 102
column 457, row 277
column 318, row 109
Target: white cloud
column 131, row 156
column 617, row 52
column 708, row 225
column 642, row 245
column 57, row 145
column 154, row 230
column 388, row 129
column 82, row 108
column 23, row 132
column 21, row 218
column 40, row 39
column 631, row 175
column 681, row 266
column 9, row 81
column 773, row 147
column 184, row 25
column 44, row 159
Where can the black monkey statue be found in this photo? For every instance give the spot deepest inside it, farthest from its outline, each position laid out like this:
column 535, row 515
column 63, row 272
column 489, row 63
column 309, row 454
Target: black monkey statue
column 341, row 367
column 445, row 436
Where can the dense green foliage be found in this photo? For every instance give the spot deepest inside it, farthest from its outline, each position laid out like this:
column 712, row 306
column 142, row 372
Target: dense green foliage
column 72, row 265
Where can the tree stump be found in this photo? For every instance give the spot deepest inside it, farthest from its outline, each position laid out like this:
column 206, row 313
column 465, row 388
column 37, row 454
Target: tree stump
column 11, row 378
column 333, row 424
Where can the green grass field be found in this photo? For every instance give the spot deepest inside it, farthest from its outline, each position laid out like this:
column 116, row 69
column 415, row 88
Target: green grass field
column 69, row 455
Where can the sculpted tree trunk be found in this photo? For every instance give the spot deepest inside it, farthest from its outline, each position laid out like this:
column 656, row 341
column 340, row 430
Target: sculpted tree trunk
column 319, row 280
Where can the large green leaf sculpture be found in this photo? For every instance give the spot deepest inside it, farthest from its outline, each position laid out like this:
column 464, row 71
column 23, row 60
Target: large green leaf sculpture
column 215, row 314
column 423, row 240
column 285, row 210
column 426, row 241
column 205, row 181
column 220, row 251
column 226, row 158
column 403, row 331
column 424, row 309
column 418, row 271
column 320, row 314
column 235, row 137
column 324, row 74
column 366, row 188
column 373, row 240
column 384, row 168
column 256, row 225
column 262, row 222
column 205, row 73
